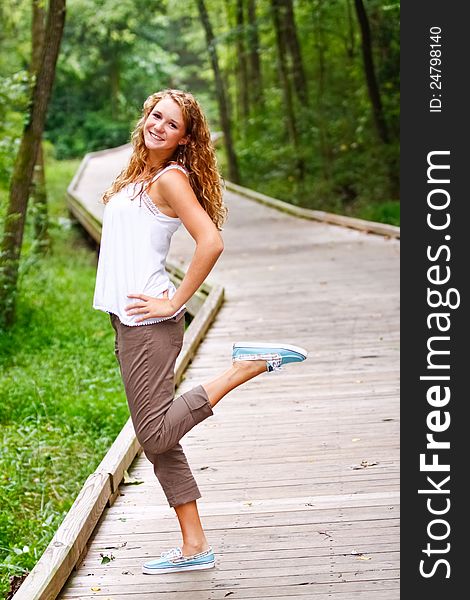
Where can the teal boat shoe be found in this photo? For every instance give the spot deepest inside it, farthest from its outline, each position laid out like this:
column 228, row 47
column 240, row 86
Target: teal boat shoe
column 275, row 354
column 173, row 561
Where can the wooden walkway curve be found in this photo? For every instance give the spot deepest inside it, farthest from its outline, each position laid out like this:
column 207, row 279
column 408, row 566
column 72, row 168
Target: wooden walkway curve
column 300, row 470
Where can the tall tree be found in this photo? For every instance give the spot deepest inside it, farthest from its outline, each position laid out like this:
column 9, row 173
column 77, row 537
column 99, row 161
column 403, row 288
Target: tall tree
column 255, row 77
column 372, row 85
column 325, row 146
column 242, row 63
column 286, row 9
column 279, row 28
column 349, row 39
column 38, row 188
column 220, row 92
column 25, row 161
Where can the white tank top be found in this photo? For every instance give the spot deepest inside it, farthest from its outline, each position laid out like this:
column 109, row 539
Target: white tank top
column 135, row 240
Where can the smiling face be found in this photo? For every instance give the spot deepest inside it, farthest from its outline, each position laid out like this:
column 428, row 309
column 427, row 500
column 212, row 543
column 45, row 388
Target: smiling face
column 164, row 130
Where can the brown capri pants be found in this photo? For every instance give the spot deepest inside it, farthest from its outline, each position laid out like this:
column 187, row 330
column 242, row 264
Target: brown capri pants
column 147, row 356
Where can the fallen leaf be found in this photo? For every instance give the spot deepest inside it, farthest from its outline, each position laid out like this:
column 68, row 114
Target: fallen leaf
column 364, row 464
column 362, row 557
column 105, row 558
column 128, row 480
column 95, row 589
column 356, row 440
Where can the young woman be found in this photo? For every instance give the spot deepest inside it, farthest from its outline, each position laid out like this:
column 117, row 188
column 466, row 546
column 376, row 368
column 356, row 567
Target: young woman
column 172, row 178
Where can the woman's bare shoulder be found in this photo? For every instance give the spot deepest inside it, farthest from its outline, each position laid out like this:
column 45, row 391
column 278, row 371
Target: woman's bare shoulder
column 172, row 165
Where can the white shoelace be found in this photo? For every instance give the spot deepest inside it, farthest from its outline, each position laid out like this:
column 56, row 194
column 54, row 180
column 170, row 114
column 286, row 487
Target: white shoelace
column 274, row 360
column 176, row 554
column 173, row 553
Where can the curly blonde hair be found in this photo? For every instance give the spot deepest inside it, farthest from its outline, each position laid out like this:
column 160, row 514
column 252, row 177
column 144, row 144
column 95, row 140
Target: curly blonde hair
column 197, row 156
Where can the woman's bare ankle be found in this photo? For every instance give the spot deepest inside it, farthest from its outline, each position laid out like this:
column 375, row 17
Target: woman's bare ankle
column 191, row 548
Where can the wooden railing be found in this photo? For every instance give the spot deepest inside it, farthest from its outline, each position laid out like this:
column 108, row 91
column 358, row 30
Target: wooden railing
column 316, row 215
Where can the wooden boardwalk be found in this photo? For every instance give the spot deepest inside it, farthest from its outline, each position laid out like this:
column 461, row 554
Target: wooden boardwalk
column 299, row 471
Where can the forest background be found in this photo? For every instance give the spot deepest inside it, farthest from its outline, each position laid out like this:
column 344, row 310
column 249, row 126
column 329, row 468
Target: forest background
column 306, row 95
column 312, row 103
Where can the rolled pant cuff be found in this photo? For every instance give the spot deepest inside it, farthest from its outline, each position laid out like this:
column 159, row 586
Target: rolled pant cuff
column 186, row 491
column 198, row 403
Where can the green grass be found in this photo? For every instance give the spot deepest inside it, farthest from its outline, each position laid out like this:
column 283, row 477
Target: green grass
column 385, row 212
column 61, row 397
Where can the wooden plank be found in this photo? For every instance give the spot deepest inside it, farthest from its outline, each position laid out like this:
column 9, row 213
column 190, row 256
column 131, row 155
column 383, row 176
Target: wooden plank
column 268, row 505
column 305, row 545
column 272, row 594
column 249, row 527
column 238, row 580
column 382, row 590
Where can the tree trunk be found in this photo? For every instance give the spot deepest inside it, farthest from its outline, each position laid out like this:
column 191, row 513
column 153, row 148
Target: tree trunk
column 374, row 95
column 350, row 38
column 255, row 79
column 221, row 96
column 372, row 85
column 229, row 74
column 38, row 187
column 325, row 149
column 292, row 40
column 24, row 165
column 242, row 66
column 286, row 88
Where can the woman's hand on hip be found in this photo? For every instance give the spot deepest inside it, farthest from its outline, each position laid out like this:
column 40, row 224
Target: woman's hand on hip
column 151, row 308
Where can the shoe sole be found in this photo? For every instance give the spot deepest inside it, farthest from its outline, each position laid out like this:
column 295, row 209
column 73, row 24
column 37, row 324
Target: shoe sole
column 283, row 346
column 176, row 570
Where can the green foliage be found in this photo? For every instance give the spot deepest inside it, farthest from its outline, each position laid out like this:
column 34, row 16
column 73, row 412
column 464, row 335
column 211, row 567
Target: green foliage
column 61, row 397
column 14, row 95
column 383, row 212
column 99, row 93
column 346, row 166
column 113, row 55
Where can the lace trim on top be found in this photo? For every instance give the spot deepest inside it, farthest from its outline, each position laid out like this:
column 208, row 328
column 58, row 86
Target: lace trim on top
column 151, row 206
column 149, row 202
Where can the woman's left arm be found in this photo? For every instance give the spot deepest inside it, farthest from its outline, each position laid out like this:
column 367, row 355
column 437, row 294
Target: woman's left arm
column 174, row 187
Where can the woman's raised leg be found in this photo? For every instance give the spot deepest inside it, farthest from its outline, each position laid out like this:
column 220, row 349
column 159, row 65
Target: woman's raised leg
column 240, row 372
